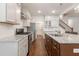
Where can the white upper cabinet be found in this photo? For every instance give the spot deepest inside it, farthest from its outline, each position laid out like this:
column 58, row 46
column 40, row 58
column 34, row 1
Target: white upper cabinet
column 9, row 12
column 2, row 11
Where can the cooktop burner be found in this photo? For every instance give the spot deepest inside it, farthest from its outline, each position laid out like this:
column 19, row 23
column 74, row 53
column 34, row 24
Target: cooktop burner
column 22, row 33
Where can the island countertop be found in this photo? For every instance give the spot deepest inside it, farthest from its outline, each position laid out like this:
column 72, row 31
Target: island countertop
column 65, row 38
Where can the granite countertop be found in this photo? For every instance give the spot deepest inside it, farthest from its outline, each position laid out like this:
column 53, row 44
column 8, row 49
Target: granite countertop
column 14, row 38
column 65, row 38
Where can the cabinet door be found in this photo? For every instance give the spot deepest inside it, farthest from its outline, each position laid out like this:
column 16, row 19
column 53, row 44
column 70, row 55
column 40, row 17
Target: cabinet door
column 52, row 46
column 2, row 12
column 23, row 47
column 26, row 45
column 11, row 11
column 22, row 50
column 48, row 45
column 55, row 48
column 55, row 51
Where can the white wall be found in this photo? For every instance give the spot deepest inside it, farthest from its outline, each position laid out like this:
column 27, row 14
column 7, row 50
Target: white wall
column 74, row 22
column 39, row 21
column 54, row 20
column 54, row 23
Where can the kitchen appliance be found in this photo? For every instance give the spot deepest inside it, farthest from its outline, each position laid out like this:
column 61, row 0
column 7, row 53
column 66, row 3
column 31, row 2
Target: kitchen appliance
column 32, row 29
column 20, row 30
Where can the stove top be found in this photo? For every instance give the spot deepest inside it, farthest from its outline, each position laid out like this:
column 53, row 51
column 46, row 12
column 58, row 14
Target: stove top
column 22, row 33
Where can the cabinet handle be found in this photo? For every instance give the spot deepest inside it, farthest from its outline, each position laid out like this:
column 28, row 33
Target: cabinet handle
column 54, row 47
column 47, row 40
column 55, row 43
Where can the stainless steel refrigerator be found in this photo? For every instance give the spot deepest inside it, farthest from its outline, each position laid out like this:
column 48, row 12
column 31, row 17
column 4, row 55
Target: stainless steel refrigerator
column 32, row 29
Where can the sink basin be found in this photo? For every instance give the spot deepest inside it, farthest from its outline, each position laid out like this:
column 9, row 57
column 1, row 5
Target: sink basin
column 56, row 34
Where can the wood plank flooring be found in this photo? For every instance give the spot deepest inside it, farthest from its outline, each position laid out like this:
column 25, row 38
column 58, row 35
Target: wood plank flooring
column 38, row 47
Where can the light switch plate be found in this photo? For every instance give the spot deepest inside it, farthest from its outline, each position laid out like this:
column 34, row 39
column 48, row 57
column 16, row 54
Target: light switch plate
column 76, row 50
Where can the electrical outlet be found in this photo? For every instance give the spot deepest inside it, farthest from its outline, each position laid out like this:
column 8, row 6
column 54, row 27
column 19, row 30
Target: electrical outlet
column 76, row 50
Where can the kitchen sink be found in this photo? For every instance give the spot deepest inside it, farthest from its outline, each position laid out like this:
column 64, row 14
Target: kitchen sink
column 56, row 34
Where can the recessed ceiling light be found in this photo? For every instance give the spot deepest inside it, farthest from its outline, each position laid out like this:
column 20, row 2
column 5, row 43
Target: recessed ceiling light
column 39, row 11
column 61, row 16
column 76, row 8
column 18, row 10
column 53, row 11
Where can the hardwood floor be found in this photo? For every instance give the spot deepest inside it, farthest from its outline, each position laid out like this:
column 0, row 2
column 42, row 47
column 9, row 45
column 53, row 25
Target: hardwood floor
column 38, row 47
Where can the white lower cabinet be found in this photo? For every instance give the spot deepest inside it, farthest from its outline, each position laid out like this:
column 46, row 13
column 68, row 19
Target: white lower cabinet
column 8, row 49
column 14, row 48
column 23, row 47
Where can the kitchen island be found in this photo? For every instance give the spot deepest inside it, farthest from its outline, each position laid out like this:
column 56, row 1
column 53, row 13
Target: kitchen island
column 63, row 45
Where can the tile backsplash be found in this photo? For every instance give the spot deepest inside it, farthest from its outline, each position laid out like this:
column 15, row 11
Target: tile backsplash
column 6, row 30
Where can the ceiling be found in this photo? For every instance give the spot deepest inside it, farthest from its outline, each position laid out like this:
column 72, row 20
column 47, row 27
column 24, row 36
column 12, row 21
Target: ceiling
column 72, row 13
column 46, row 8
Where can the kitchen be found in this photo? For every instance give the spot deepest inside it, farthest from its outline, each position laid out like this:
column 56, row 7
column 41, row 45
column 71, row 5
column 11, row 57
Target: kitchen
column 23, row 23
